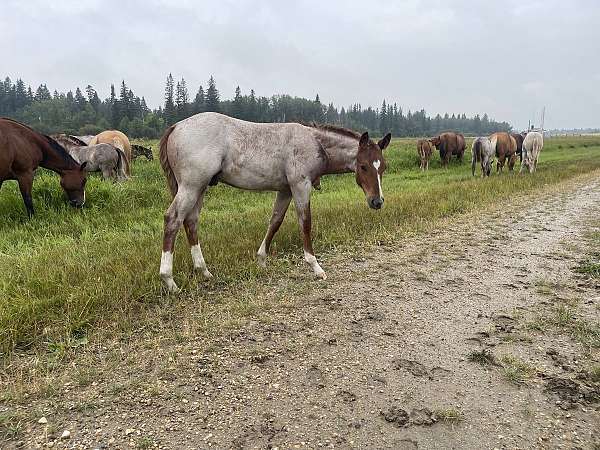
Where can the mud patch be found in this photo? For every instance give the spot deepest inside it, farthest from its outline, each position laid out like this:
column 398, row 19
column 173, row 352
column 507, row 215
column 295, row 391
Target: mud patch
column 401, row 418
column 571, row 392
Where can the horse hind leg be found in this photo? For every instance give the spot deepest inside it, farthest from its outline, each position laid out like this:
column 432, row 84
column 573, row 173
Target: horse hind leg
column 280, row 207
column 178, row 211
column 190, row 224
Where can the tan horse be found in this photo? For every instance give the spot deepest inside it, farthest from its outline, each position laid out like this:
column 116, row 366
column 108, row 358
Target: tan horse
column 116, row 139
column 506, row 150
column 424, row 149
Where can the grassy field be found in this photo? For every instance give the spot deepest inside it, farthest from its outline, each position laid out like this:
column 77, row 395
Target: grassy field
column 68, row 273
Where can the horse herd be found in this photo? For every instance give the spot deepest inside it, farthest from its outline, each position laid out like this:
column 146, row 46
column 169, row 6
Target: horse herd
column 505, row 147
column 208, row 148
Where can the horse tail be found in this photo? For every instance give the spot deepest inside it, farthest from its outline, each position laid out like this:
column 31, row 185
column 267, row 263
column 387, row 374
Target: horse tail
column 164, row 161
column 121, row 164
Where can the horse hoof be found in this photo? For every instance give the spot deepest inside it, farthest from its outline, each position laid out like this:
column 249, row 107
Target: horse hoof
column 321, row 275
column 207, row 274
column 171, row 286
column 262, row 261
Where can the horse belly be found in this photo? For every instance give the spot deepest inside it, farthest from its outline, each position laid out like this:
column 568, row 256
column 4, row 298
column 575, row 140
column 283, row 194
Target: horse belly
column 255, row 177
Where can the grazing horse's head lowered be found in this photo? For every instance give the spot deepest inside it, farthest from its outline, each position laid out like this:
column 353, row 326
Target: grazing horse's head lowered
column 370, row 166
column 73, row 183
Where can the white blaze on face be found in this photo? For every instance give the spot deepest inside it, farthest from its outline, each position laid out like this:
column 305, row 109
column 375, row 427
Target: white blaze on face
column 377, row 165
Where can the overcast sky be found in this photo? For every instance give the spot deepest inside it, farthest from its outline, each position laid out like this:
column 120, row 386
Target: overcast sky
column 506, row 58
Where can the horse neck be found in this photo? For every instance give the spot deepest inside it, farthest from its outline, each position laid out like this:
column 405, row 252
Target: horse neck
column 53, row 160
column 341, row 151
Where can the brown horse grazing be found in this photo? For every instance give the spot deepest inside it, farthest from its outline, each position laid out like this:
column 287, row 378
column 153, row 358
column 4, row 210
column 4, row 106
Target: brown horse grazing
column 116, row 139
column 22, row 150
column 424, row 150
column 449, row 143
column 519, row 140
column 506, row 148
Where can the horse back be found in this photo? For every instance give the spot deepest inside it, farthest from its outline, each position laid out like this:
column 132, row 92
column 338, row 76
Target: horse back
column 254, row 156
column 20, row 149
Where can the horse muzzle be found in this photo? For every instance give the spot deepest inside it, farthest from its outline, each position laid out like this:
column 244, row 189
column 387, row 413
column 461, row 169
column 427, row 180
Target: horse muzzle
column 375, row 202
column 77, row 203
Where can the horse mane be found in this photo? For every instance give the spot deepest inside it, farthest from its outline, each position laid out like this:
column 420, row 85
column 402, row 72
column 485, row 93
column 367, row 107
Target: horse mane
column 59, row 149
column 76, row 140
column 336, row 129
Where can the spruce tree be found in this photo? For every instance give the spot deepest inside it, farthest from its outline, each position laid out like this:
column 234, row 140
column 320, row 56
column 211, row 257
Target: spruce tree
column 181, row 100
column 212, row 96
column 169, row 112
column 199, row 101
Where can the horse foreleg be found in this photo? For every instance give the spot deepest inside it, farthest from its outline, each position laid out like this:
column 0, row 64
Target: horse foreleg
column 280, row 207
column 190, row 223
column 179, row 209
column 25, row 185
column 301, row 194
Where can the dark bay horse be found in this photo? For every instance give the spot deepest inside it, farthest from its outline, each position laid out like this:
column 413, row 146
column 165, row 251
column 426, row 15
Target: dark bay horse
column 449, row 143
column 518, row 137
column 22, row 150
column 287, row 158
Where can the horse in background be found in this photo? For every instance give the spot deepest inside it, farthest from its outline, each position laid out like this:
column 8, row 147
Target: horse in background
column 518, row 137
column 105, row 158
column 139, row 150
column 23, row 150
column 288, row 158
column 449, row 143
column 482, row 151
column 532, row 147
column 505, row 148
column 116, row 139
column 425, row 151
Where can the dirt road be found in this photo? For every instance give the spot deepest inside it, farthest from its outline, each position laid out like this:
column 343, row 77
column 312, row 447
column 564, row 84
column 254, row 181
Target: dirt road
column 477, row 337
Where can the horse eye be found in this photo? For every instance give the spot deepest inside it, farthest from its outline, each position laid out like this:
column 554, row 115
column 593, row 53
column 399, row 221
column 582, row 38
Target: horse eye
column 363, row 168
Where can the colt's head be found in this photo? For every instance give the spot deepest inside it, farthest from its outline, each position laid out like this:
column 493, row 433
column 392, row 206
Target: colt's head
column 370, row 166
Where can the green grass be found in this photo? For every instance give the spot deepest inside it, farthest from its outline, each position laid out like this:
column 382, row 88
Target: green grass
column 515, row 370
column 591, row 266
column 483, row 357
column 449, row 415
column 67, row 272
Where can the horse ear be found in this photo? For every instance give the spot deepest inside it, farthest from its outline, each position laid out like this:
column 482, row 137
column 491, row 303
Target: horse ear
column 364, row 139
column 82, row 166
column 385, row 141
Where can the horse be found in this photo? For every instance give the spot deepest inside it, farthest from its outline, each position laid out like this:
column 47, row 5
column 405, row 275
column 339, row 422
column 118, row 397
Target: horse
column 532, row 147
column 424, row 150
column 460, row 147
column 22, row 150
column 67, row 139
column 449, row 143
column 138, row 150
column 86, row 139
column 105, row 158
column 482, row 150
column 288, row 158
column 117, row 139
column 518, row 137
column 505, row 147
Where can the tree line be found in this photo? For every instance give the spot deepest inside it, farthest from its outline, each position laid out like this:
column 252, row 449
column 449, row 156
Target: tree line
column 83, row 112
